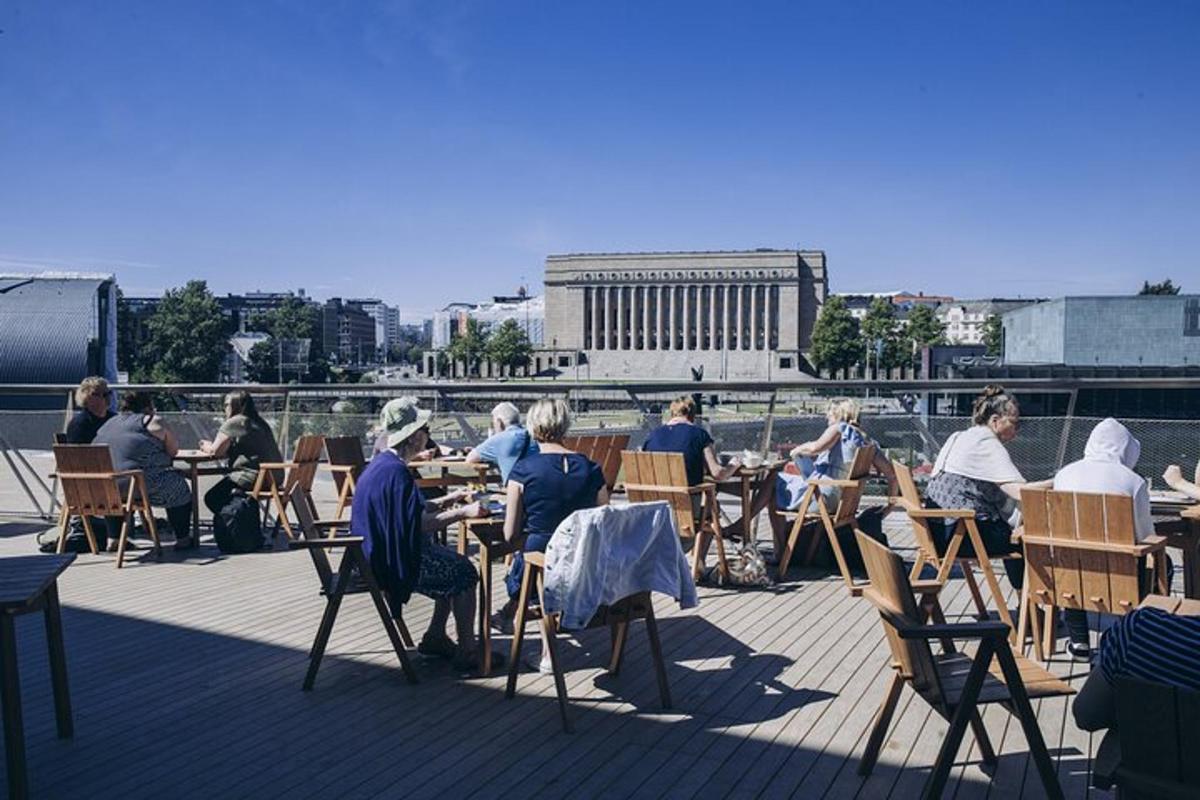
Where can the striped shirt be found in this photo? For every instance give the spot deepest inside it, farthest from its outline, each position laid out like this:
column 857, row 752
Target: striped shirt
column 1152, row 645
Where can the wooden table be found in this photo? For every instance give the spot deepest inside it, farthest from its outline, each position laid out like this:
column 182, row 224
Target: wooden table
column 1187, row 538
column 481, row 472
column 489, row 532
column 748, row 483
column 30, row 583
column 194, row 458
column 1182, row 607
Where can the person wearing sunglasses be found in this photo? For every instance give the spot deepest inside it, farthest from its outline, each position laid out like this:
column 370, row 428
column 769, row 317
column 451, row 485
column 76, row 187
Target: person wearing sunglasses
column 94, row 399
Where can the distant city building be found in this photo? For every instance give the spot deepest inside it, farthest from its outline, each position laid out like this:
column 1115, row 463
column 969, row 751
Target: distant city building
column 739, row 315
column 57, row 327
column 387, row 321
column 528, row 312
column 240, row 309
column 348, row 332
column 965, row 319
column 858, row 302
column 1116, row 331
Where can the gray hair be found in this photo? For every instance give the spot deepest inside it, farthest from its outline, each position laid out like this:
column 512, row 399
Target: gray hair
column 507, row 413
column 549, row 419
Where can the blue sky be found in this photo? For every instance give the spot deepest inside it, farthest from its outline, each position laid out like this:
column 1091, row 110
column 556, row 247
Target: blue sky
column 427, row 152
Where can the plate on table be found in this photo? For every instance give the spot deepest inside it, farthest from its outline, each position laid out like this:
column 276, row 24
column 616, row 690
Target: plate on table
column 1169, row 497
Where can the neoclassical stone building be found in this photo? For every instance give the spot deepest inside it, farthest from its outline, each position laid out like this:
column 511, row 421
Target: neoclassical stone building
column 739, row 315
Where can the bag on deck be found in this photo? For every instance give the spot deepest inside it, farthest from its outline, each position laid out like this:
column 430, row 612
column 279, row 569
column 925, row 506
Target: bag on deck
column 237, row 528
column 870, row 522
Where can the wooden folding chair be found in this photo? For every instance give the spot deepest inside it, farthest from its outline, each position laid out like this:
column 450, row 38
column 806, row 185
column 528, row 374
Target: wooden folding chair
column 845, row 514
column 604, row 449
column 270, row 490
column 1151, row 753
column 346, row 462
column 616, row 617
column 353, row 576
column 965, row 527
column 92, row 488
column 953, row 683
column 662, row 476
column 1081, row 552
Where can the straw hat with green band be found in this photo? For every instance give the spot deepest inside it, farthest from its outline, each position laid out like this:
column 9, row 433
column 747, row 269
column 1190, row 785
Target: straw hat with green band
column 401, row 418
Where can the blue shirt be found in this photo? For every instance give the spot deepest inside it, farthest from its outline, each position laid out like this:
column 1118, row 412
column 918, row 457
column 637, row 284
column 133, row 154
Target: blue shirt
column 386, row 512
column 1151, row 645
column 506, row 448
column 555, row 486
column 682, row 437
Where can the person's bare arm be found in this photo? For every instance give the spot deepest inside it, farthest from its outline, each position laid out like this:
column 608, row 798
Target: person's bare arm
column 884, row 467
column 473, row 456
column 824, row 442
column 164, row 434
column 1174, row 478
column 715, row 469
column 514, row 512
column 436, row 519
column 217, row 447
column 1013, row 489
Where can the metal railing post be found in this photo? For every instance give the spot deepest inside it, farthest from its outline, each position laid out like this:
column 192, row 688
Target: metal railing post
column 1066, row 431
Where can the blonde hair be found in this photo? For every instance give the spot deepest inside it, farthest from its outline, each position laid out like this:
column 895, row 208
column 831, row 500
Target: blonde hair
column 89, row 387
column 683, row 406
column 844, row 410
column 548, row 419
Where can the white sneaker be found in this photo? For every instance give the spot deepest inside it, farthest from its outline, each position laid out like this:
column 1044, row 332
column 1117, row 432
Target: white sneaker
column 546, row 666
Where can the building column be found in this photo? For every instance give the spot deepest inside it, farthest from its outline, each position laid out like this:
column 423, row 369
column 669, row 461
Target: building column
column 644, row 291
column 712, row 317
column 612, row 318
column 597, row 318
column 671, row 317
column 768, row 326
column 753, row 317
column 739, row 290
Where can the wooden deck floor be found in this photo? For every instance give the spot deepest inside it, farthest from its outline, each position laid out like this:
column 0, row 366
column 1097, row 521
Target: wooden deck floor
column 185, row 677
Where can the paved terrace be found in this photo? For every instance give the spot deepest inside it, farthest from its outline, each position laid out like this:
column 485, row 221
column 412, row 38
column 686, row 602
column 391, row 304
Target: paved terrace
column 185, row 678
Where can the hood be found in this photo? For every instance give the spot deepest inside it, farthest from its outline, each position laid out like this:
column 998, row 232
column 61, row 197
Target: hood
column 1112, row 441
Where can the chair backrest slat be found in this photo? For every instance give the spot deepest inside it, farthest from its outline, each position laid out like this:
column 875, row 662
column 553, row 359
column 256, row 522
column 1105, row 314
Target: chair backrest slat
column 604, row 449
column 851, row 496
column 911, row 496
column 891, row 590
column 93, row 496
column 306, row 457
column 1073, row 576
column 651, row 477
column 308, row 529
column 344, row 451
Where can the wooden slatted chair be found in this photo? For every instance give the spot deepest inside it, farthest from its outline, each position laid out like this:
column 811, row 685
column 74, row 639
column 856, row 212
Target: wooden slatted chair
column 953, row 683
column 346, row 462
column 615, row 617
column 604, row 449
column 92, row 488
column 965, row 528
column 651, row 477
column 1152, row 752
column 1081, row 552
column 846, row 514
column 353, row 576
column 271, row 490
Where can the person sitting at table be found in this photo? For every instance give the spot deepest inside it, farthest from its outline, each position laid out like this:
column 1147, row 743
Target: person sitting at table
column 396, row 522
column 247, row 440
column 94, row 400
column 831, row 455
column 508, row 443
column 138, row 439
column 681, row 434
column 974, row 470
column 543, row 489
column 1106, row 468
column 1174, row 478
column 1148, row 644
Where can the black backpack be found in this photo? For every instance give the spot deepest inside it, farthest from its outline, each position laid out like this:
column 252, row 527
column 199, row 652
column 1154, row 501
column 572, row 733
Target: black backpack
column 237, row 528
column 870, row 522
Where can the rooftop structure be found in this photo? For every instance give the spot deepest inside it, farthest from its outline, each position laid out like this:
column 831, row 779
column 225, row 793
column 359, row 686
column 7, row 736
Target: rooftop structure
column 528, row 312
column 965, row 319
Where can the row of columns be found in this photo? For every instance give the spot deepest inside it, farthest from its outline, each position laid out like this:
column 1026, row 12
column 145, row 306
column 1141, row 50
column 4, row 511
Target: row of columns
column 681, row 317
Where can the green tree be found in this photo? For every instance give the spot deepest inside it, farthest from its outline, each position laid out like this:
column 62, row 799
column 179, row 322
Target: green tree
column 835, row 336
column 186, row 341
column 126, row 336
column 993, row 335
column 470, row 346
column 509, row 347
column 1166, row 287
column 291, row 319
column 923, row 329
column 880, row 334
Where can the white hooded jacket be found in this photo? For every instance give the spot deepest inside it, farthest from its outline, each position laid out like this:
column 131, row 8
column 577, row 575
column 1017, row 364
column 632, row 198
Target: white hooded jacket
column 1107, row 468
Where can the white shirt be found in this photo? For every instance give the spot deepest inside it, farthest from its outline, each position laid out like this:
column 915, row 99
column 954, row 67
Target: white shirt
column 1107, row 468
column 601, row 555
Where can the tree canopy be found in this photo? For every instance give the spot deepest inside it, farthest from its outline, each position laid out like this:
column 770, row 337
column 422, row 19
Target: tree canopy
column 993, row 335
column 924, row 329
column 509, row 346
column 1166, row 287
column 470, row 346
column 881, row 334
column 291, row 319
column 186, row 340
column 835, row 343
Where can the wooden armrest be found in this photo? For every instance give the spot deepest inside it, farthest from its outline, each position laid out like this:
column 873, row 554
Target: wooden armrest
column 324, row 544
column 939, row 513
column 535, row 559
column 956, row 630
column 1139, row 550
column 330, row 523
column 277, row 465
column 346, row 468
column 844, row 484
column 100, row 476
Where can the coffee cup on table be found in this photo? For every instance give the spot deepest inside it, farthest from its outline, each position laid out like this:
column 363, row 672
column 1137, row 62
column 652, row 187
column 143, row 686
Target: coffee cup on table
column 752, row 459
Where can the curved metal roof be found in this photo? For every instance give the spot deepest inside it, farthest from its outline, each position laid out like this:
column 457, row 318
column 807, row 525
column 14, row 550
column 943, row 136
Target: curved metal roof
column 45, row 327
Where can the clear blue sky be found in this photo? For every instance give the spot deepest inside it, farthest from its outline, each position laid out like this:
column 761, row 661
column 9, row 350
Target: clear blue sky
column 426, row 152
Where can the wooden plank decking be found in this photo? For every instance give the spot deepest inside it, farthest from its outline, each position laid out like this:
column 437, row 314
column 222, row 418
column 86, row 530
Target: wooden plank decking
column 185, row 679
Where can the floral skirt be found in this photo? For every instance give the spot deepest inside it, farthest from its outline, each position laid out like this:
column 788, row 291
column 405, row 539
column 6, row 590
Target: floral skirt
column 444, row 573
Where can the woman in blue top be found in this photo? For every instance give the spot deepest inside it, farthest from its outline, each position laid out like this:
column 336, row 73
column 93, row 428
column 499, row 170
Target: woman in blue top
column 544, row 488
column 681, row 434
